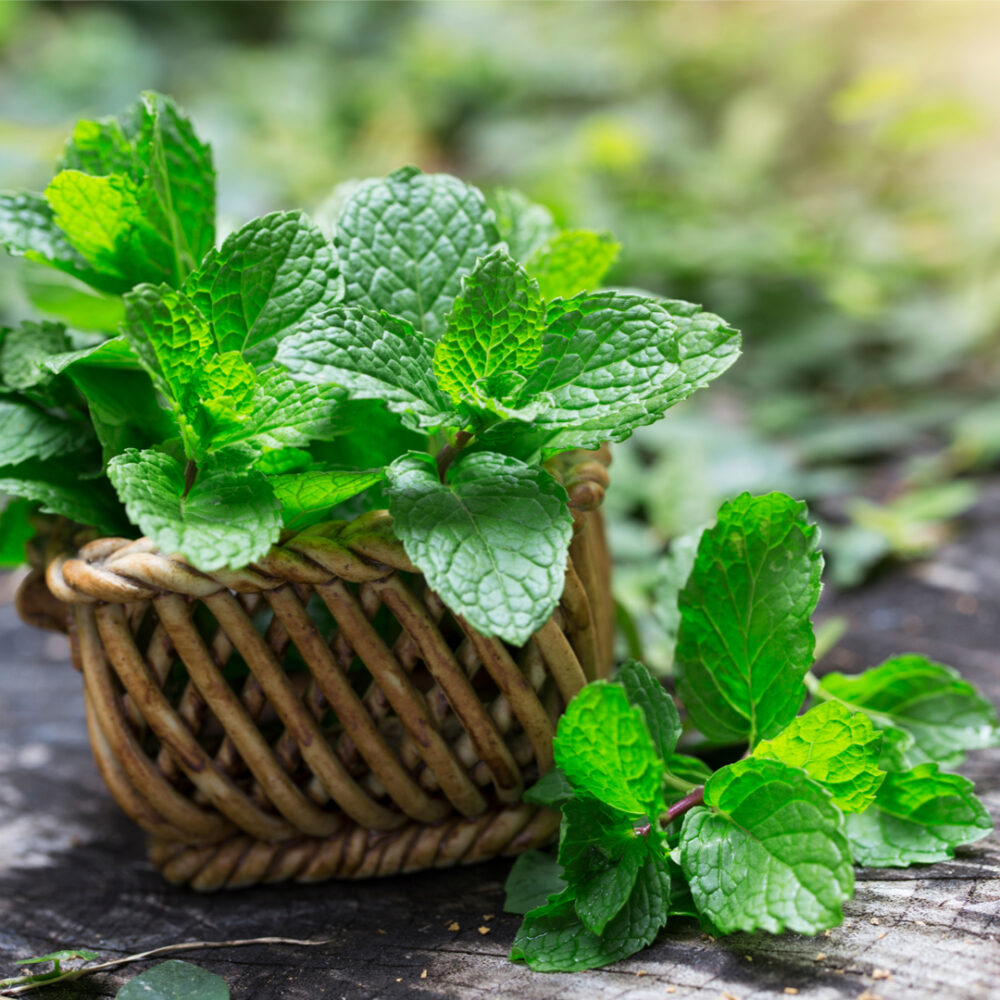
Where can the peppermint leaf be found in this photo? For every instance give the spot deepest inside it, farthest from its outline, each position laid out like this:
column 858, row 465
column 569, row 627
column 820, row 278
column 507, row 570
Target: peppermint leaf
column 943, row 714
column 407, row 240
column 554, row 939
column 919, row 816
column 25, row 351
column 612, row 362
column 307, row 497
column 837, row 748
column 264, row 279
column 604, row 748
column 523, row 225
column 29, row 432
column 573, row 261
column 746, row 639
column 552, row 789
column 373, row 357
column 535, row 876
column 228, row 518
column 646, row 692
column 175, row 980
column 494, row 331
column 767, row 852
column 493, row 541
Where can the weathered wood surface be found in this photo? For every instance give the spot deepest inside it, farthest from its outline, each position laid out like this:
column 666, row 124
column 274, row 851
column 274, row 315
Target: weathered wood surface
column 73, row 872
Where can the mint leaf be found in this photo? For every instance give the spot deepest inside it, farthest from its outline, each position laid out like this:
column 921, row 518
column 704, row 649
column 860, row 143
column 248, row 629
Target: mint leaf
column 175, row 980
column 523, row 225
column 407, row 240
column 28, row 229
column 535, row 876
column 494, row 332
column 65, row 297
column 373, row 357
column 646, row 692
column 228, row 518
column 612, row 362
column 573, row 261
column 66, row 486
column 493, row 541
column 746, row 639
column 554, row 939
column 919, row 816
column 943, row 714
column 601, row 898
column 264, row 279
column 837, row 748
column 27, row 432
column 307, row 497
column 113, row 353
column 604, row 748
column 767, row 852
column 25, row 350
column 552, row 789
column 16, row 530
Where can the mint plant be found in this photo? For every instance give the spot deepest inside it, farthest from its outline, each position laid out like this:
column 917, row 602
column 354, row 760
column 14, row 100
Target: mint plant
column 432, row 358
column 836, row 771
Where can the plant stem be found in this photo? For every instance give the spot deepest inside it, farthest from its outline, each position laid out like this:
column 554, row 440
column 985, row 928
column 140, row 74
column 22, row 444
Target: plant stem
column 447, row 454
column 692, row 799
column 679, row 783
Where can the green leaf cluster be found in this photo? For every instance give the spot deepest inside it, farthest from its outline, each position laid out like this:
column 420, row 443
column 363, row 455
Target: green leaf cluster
column 432, row 356
column 770, row 841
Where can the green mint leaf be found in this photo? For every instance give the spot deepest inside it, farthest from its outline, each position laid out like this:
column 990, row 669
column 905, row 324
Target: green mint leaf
column 28, row 229
column 837, row 748
column 68, row 299
column 523, row 225
column 767, row 852
column 672, row 573
column 229, row 518
column 67, row 487
column 554, row 939
column 175, row 980
column 26, row 349
column 943, row 714
column 306, row 498
column 604, row 748
column 919, row 816
column 492, row 541
column 601, row 898
column 494, row 330
column 407, row 240
column 28, row 432
column 593, row 837
column 573, row 261
column 16, row 530
column 552, row 789
column 612, row 362
column 154, row 147
column 535, row 876
column 746, row 639
column 373, row 357
column 113, row 353
column 689, row 769
column 646, row 692
column 264, row 279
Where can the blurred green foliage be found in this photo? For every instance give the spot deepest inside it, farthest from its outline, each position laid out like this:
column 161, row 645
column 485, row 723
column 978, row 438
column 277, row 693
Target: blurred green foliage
column 822, row 175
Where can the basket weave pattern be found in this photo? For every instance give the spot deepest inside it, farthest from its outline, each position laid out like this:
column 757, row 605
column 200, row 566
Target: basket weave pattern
column 320, row 713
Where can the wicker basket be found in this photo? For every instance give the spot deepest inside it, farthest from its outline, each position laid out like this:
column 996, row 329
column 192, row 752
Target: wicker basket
column 321, row 714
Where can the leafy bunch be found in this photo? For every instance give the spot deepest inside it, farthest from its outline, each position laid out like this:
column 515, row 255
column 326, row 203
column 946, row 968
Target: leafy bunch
column 434, row 357
column 768, row 842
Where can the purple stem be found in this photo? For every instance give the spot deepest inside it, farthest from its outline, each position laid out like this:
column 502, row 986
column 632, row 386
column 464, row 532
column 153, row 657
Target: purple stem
column 692, row 799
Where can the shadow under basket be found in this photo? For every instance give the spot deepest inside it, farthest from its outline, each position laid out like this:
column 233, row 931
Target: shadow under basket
column 321, row 714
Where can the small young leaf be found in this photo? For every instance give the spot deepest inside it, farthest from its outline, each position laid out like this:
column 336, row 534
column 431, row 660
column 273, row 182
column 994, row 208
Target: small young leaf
column 523, row 225
column 837, row 748
column 492, row 541
column 407, row 240
column 573, row 261
column 746, row 639
column 372, row 356
column 646, row 692
column 494, row 330
column 228, row 518
column 535, row 876
column 175, row 980
column 603, row 746
column 768, row 851
column 944, row 715
column 552, row 789
column 554, row 939
column 919, row 816
column 307, row 497
column 265, row 278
